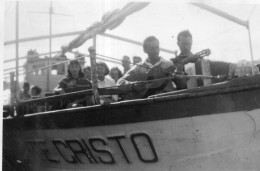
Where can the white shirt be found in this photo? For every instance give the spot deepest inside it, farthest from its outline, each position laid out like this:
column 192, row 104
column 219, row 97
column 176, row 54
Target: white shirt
column 107, row 82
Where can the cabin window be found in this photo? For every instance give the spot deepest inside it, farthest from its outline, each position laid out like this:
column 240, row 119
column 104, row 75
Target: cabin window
column 54, row 70
column 37, row 70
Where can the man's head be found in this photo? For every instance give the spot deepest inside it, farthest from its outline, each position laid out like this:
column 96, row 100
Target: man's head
column 126, row 62
column 185, row 41
column 26, row 86
column 137, row 59
column 87, row 72
column 151, row 46
column 35, row 90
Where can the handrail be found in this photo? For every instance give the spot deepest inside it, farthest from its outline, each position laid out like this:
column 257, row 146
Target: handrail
column 102, row 91
column 79, row 32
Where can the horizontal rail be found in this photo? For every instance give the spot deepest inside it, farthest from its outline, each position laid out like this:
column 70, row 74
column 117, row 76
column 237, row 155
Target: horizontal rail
column 31, row 56
column 102, row 91
column 79, row 32
column 135, row 42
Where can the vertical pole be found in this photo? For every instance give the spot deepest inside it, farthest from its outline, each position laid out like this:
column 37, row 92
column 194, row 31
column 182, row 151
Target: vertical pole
column 95, row 42
column 17, row 43
column 13, row 89
column 48, row 61
column 251, row 50
column 92, row 53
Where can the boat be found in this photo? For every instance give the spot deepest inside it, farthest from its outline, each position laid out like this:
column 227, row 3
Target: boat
column 213, row 127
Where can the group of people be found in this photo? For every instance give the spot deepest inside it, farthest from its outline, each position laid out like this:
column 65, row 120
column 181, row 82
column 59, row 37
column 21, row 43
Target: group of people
column 136, row 79
column 80, row 79
column 133, row 80
column 155, row 67
column 28, row 92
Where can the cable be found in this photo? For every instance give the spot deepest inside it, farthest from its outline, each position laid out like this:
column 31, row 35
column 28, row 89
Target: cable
column 249, row 16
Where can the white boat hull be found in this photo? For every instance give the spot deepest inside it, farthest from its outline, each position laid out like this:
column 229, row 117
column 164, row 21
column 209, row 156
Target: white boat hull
column 229, row 141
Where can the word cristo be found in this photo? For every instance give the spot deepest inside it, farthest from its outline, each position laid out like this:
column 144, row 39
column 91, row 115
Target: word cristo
column 72, row 150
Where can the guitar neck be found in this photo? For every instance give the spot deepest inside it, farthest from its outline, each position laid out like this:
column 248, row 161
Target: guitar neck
column 191, row 58
column 187, row 60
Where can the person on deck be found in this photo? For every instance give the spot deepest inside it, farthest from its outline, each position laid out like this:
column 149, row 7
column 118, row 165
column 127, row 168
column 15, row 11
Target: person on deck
column 75, row 81
column 105, row 81
column 87, row 72
column 184, row 41
column 126, row 63
column 136, row 60
column 35, row 92
column 115, row 73
column 24, row 93
column 153, row 67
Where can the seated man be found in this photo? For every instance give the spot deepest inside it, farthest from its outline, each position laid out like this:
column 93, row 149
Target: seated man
column 184, row 41
column 75, row 81
column 153, row 67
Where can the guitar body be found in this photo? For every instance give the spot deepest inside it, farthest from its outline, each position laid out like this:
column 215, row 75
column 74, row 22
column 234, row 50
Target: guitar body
column 155, row 81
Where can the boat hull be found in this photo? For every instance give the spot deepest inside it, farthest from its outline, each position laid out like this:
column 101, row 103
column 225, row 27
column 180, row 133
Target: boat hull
column 230, row 141
column 214, row 130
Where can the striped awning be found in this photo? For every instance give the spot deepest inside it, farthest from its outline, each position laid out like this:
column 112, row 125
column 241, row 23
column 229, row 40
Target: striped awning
column 110, row 21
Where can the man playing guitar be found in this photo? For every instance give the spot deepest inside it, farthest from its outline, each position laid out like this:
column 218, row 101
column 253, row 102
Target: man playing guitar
column 136, row 79
column 185, row 43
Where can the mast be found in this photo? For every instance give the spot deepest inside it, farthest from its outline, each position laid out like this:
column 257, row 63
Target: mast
column 48, row 59
column 92, row 53
column 17, row 43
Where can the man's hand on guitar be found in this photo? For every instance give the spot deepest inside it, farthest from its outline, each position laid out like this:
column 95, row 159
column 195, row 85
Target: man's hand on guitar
column 138, row 87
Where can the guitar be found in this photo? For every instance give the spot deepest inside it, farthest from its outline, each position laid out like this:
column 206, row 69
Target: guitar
column 179, row 62
column 156, row 84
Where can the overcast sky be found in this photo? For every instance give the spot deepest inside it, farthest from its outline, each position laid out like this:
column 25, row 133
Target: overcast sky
column 228, row 41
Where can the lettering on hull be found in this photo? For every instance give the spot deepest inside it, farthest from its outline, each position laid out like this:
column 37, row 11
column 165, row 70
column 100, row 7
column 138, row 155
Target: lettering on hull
column 96, row 150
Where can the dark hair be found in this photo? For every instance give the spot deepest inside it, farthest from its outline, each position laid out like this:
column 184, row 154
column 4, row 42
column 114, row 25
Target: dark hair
column 184, row 33
column 136, row 57
column 118, row 70
column 149, row 39
column 37, row 89
column 103, row 64
column 26, row 84
column 125, row 57
column 86, row 67
column 76, row 62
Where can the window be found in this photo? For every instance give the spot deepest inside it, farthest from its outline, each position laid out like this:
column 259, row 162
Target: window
column 37, row 70
column 61, row 69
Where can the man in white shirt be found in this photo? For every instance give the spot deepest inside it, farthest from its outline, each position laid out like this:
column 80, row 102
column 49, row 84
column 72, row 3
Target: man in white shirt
column 153, row 67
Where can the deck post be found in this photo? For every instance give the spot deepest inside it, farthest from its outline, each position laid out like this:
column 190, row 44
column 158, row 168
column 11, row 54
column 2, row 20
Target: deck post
column 13, row 89
column 92, row 53
column 251, row 50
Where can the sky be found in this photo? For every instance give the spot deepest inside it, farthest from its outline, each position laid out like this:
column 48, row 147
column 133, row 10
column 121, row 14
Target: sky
column 164, row 19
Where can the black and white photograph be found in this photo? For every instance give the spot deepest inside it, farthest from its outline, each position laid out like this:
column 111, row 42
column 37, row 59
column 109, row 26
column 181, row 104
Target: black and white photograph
column 119, row 85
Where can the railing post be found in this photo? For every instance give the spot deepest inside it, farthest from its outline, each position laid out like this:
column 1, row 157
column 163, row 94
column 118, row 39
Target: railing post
column 13, row 89
column 92, row 53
